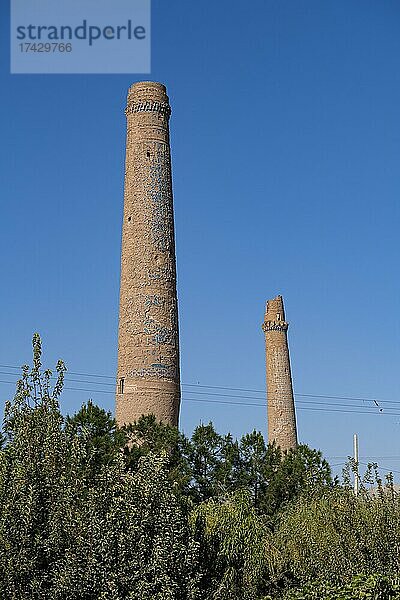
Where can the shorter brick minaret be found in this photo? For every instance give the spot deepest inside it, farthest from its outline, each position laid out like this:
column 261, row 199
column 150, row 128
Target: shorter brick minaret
column 280, row 401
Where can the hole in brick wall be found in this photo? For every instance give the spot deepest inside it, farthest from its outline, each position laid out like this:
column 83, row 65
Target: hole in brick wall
column 148, row 154
column 121, row 385
column 129, row 218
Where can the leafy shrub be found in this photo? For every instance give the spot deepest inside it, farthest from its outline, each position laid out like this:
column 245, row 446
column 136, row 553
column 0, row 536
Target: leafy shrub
column 335, row 535
column 362, row 587
column 237, row 554
column 74, row 527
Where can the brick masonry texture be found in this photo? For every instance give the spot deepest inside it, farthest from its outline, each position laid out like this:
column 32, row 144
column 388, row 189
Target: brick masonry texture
column 280, row 400
column 148, row 340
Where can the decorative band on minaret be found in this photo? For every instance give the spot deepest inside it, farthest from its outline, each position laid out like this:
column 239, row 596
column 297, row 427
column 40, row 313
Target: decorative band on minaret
column 280, row 401
column 148, row 341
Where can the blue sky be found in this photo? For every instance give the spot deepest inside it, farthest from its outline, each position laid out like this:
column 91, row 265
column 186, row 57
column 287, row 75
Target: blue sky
column 286, row 145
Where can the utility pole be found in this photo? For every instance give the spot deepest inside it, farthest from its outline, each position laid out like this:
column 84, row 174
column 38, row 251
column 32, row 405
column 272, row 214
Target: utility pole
column 356, row 480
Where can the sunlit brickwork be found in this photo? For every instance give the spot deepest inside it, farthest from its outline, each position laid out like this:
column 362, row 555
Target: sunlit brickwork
column 280, row 401
column 148, row 343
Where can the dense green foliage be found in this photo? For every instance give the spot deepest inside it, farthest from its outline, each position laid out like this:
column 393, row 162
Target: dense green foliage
column 212, row 466
column 336, row 535
column 73, row 526
column 361, row 587
column 90, row 511
column 238, row 557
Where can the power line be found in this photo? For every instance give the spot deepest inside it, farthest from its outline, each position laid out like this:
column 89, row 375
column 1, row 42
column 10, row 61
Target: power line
column 344, row 408
column 381, row 467
column 300, row 395
column 69, row 379
column 360, row 412
column 371, row 411
column 324, row 396
column 72, row 372
column 363, row 463
column 322, row 409
column 366, row 411
column 376, row 457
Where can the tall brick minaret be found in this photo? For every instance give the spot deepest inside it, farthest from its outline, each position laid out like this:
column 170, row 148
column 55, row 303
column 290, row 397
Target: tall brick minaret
column 148, row 347
column 280, row 401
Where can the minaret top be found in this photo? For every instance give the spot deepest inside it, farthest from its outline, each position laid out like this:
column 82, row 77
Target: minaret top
column 148, row 89
column 274, row 310
column 275, row 315
column 148, row 96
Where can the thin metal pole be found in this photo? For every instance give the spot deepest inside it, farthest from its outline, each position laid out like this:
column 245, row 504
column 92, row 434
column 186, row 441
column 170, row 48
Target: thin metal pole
column 356, row 480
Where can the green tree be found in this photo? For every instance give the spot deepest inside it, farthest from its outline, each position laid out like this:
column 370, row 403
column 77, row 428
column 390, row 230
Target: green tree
column 211, row 457
column 99, row 431
column 361, row 587
column 292, row 474
column 237, row 553
column 147, row 436
column 334, row 535
column 209, row 465
column 275, row 478
column 72, row 526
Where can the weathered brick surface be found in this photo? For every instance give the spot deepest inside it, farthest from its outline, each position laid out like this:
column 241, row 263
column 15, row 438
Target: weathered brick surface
column 148, row 345
column 280, row 401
